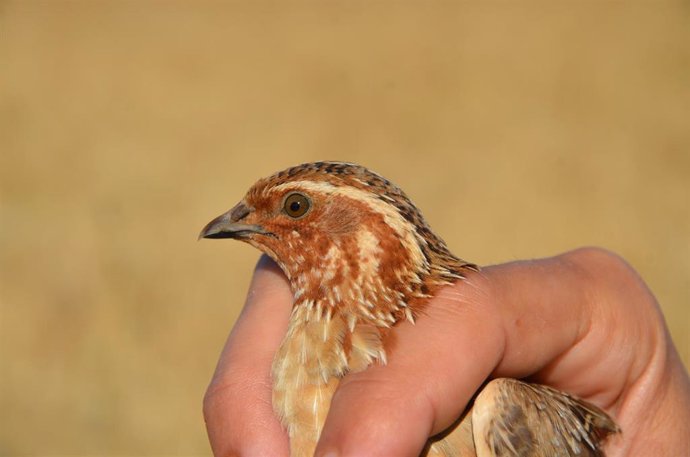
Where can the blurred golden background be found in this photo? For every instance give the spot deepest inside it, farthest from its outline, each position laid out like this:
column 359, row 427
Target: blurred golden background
column 125, row 126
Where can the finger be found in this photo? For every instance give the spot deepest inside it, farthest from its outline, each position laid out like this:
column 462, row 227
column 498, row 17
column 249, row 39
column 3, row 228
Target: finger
column 237, row 406
column 433, row 370
column 543, row 306
column 569, row 321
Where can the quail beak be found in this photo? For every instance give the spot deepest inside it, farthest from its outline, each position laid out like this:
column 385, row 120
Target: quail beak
column 230, row 225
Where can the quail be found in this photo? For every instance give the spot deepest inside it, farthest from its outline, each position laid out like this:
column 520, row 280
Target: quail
column 360, row 258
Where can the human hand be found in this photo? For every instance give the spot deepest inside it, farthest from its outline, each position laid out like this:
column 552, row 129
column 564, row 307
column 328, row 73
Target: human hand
column 582, row 322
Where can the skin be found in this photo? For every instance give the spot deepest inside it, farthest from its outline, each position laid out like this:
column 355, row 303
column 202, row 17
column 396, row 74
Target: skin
column 583, row 322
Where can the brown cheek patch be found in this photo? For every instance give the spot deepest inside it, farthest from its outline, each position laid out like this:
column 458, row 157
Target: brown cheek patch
column 341, row 216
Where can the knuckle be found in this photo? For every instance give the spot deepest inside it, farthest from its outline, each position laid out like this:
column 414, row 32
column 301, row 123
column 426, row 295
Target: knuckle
column 598, row 256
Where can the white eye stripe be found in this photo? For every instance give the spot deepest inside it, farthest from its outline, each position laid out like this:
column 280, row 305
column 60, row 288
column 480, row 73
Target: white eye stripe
column 306, row 186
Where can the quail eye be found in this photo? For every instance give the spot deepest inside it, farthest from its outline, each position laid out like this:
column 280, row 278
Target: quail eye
column 296, row 205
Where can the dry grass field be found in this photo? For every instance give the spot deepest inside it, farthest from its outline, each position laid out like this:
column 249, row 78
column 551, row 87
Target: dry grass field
column 522, row 130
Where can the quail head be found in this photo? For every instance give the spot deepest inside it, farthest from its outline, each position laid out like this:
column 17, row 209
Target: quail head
column 360, row 258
